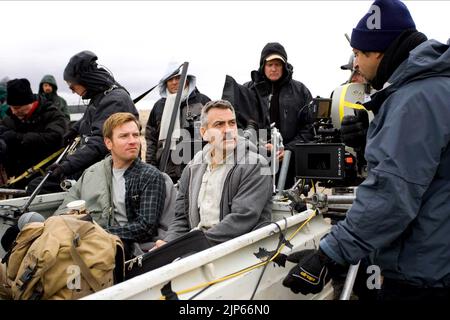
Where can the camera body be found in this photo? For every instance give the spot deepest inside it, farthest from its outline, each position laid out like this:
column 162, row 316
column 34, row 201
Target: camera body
column 325, row 158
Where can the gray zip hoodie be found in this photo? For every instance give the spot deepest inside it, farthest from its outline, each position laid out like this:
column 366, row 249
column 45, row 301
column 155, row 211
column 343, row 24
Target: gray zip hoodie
column 246, row 202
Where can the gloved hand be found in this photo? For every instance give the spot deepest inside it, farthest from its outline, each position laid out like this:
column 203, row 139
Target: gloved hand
column 311, row 272
column 354, row 129
column 11, row 137
column 57, row 172
column 70, row 136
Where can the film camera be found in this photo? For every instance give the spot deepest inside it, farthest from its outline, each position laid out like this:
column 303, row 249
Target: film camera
column 325, row 158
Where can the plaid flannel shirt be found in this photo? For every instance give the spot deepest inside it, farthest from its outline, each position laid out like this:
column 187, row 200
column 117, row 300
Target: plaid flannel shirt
column 144, row 202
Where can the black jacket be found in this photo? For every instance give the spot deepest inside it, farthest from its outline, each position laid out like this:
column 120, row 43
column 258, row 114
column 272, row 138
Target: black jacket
column 294, row 97
column 36, row 138
column 92, row 148
column 194, row 103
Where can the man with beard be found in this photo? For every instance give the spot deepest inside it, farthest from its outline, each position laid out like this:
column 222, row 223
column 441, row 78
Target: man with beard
column 48, row 91
column 401, row 211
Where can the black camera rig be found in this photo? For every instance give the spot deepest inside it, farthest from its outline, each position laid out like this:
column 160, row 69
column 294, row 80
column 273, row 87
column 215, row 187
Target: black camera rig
column 325, row 159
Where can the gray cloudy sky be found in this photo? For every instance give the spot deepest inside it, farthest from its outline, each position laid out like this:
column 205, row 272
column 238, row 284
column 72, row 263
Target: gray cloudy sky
column 137, row 40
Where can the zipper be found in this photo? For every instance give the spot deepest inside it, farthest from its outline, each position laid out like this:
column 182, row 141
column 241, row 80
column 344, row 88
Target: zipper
column 228, row 187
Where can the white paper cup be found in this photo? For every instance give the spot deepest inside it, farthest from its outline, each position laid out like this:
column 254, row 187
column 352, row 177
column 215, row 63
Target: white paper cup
column 78, row 205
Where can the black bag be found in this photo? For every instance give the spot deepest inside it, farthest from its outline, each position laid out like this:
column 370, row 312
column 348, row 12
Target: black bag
column 189, row 243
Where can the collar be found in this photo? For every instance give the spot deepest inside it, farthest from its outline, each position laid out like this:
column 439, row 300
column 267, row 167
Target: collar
column 33, row 108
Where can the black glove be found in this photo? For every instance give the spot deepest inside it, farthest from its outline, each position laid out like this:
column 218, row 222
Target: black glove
column 11, row 137
column 70, row 136
column 57, row 172
column 354, row 129
column 311, row 272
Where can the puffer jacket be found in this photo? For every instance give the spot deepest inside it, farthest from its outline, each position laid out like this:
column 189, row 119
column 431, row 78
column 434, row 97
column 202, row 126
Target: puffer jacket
column 37, row 137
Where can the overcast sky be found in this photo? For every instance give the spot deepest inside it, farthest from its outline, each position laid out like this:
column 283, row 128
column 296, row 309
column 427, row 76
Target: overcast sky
column 137, row 40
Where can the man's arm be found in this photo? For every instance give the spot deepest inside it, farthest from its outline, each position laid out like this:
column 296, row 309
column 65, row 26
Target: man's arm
column 305, row 121
column 180, row 224
column 151, row 204
column 52, row 134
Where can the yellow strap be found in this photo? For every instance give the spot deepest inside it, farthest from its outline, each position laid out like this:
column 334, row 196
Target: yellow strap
column 35, row 168
column 343, row 103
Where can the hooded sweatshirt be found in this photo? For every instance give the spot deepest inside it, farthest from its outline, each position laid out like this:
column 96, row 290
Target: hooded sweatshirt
column 189, row 112
column 53, row 96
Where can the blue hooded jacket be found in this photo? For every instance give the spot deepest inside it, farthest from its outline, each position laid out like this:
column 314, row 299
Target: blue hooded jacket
column 402, row 210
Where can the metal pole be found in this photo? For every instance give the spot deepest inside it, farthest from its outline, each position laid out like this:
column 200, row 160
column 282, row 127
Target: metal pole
column 349, row 282
column 38, row 188
column 283, row 171
column 166, row 150
column 274, row 141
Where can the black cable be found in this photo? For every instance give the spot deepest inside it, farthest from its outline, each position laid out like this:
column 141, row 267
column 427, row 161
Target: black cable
column 280, row 242
column 201, row 291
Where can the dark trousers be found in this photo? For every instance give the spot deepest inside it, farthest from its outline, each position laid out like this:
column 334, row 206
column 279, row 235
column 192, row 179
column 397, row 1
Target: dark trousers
column 394, row 290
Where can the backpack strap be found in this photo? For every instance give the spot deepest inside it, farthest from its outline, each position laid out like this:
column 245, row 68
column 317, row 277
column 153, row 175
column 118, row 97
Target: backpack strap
column 79, row 234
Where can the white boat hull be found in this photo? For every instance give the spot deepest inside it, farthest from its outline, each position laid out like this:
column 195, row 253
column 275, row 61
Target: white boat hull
column 192, row 274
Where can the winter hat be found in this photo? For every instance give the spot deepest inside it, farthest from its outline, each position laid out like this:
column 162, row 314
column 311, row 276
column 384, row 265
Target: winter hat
column 273, row 50
column 385, row 21
column 19, row 92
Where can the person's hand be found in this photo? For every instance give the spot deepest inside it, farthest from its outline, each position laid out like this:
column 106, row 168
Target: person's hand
column 354, row 129
column 11, row 137
column 56, row 171
column 70, row 136
column 280, row 153
column 311, row 272
column 159, row 243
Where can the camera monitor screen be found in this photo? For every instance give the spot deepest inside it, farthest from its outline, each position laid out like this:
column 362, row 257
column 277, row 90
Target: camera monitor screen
column 321, row 108
column 320, row 161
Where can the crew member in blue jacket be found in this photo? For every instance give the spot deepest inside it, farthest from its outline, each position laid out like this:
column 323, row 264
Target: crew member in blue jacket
column 401, row 214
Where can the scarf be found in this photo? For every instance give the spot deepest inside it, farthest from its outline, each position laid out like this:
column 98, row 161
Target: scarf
column 167, row 115
column 397, row 52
